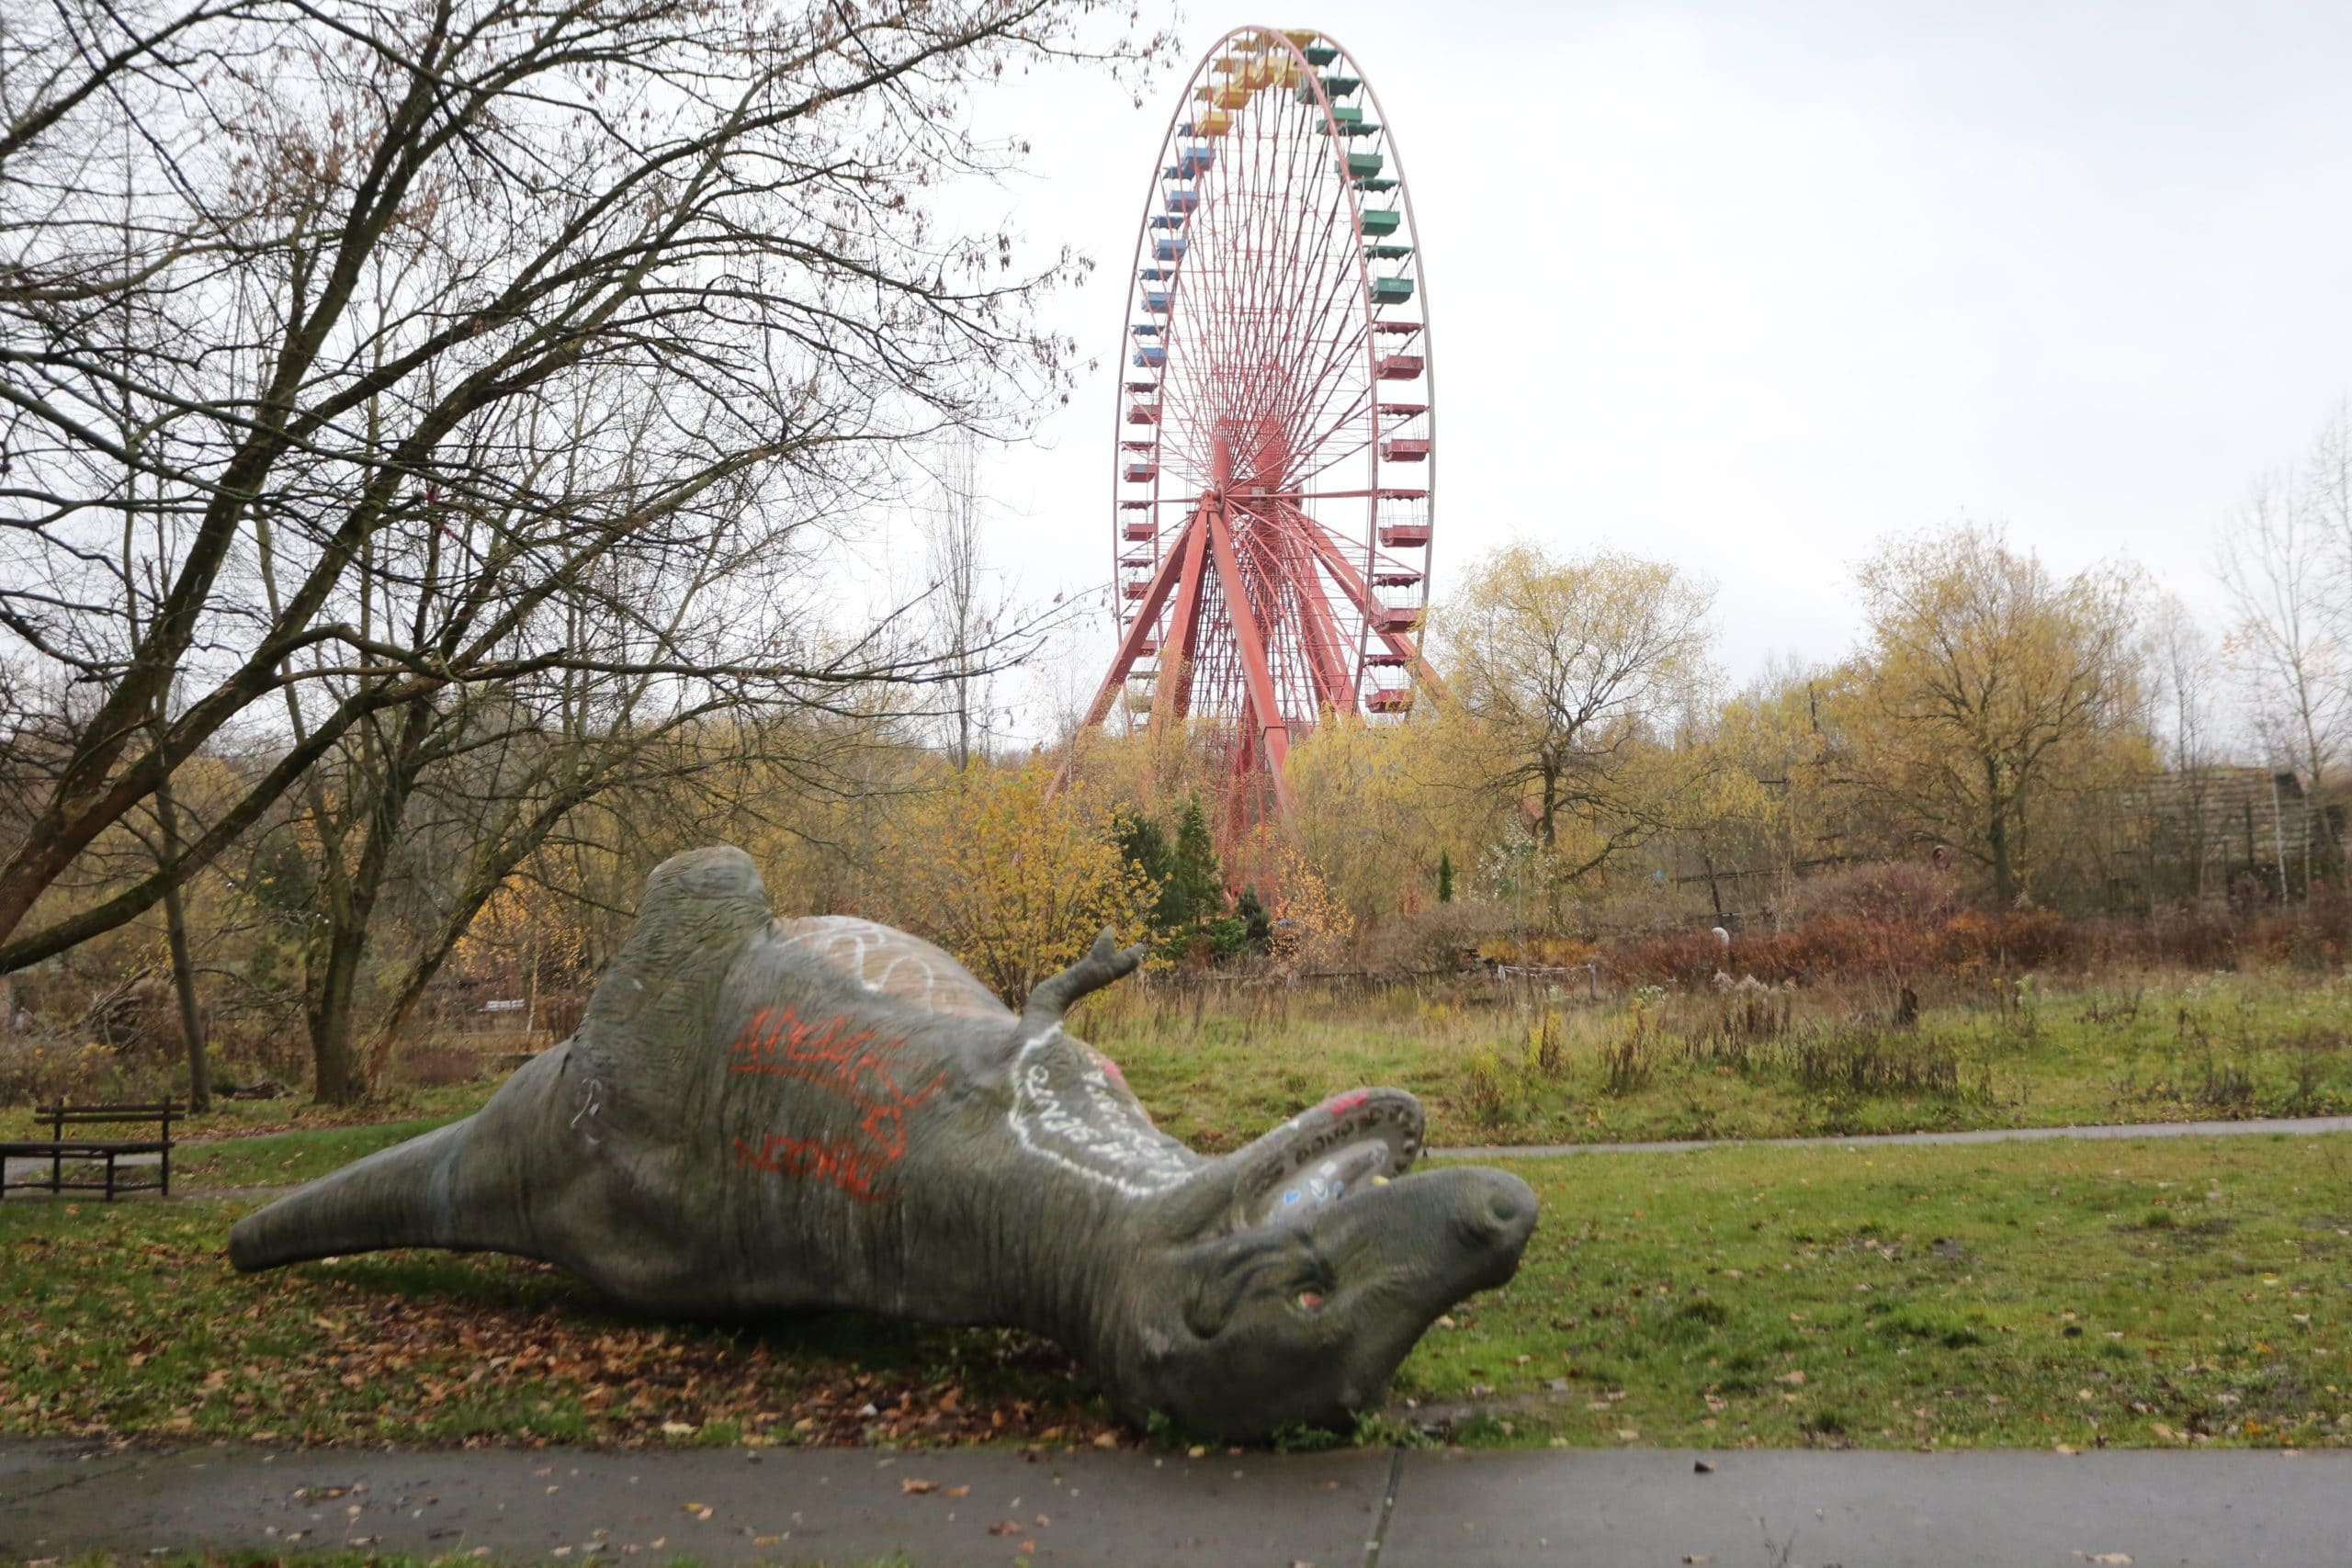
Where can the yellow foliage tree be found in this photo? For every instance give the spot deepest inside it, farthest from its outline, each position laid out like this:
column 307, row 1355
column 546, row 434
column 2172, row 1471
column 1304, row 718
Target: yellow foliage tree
column 1011, row 876
column 1569, row 680
column 1311, row 925
column 1990, row 692
column 1375, row 806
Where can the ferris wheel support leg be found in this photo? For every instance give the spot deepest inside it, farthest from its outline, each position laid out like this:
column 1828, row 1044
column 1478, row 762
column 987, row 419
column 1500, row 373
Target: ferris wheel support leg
column 1326, row 661
column 1131, row 646
column 1249, row 644
column 1351, row 583
column 1180, row 644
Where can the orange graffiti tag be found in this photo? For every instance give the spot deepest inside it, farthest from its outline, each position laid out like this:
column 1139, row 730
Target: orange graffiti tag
column 851, row 1063
column 853, row 1172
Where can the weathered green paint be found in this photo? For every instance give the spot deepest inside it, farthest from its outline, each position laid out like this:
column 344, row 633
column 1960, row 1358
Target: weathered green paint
column 761, row 1115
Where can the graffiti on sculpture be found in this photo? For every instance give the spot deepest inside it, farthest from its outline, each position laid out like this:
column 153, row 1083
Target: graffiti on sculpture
column 1074, row 1109
column 838, row 1056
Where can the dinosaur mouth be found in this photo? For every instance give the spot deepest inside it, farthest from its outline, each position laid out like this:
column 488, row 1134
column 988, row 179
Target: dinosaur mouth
column 1351, row 1142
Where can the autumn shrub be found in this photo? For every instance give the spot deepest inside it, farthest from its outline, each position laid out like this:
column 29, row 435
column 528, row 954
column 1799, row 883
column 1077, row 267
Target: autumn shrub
column 2313, row 936
column 2011, row 940
column 1663, row 958
column 2203, row 935
column 440, row 1065
column 43, row 1069
column 1883, row 893
column 1433, row 941
column 1893, row 924
column 1010, row 875
column 1485, row 1086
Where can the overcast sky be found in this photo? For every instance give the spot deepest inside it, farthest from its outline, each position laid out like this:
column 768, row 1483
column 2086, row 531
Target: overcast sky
column 1747, row 287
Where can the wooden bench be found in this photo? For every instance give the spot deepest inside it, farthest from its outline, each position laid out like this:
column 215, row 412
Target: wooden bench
column 64, row 1151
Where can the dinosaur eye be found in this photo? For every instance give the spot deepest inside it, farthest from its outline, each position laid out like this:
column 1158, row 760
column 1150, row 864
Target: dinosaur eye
column 1310, row 1299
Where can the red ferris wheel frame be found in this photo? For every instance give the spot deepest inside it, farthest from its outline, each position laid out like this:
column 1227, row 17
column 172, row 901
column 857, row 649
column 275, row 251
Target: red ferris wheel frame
column 1274, row 363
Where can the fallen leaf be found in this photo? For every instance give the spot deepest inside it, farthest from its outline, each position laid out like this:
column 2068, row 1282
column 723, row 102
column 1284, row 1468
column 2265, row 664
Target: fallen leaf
column 959, row 1491
column 910, row 1485
column 2118, row 1559
column 1004, row 1527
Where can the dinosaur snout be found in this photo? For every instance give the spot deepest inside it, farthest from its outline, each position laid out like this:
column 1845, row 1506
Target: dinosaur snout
column 1496, row 1213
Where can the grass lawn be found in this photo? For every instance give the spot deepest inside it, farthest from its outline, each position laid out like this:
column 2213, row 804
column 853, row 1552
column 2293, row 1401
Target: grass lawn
column 2146, row 1293
column 279, row 1160
column 2142, row 1292
column 1511, row 1067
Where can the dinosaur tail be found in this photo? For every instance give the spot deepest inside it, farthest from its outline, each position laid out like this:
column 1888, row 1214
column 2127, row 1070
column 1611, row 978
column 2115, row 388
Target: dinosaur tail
column 413, row 1194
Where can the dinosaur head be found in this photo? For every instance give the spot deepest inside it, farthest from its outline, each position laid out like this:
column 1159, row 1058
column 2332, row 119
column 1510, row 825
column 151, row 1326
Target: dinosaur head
column 1284, row 1283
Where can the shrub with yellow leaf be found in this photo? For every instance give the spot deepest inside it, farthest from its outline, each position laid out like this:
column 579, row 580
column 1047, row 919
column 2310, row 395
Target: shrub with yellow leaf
column 1009, row 875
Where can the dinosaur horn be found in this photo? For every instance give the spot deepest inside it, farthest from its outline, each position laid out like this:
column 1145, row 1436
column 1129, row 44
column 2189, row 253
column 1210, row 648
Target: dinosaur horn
column 1105, row 963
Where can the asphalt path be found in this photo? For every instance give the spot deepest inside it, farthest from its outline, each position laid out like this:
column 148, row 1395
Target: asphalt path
column 2273, row 1126
column 1618, row 1508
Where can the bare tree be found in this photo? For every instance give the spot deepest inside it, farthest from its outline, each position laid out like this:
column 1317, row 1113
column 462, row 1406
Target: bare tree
column 2181, row 661
column 963, row 609
column 2285, row 645
column 387, row 251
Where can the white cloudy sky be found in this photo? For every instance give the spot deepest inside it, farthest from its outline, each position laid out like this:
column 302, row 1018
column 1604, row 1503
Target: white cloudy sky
column 1747, row 286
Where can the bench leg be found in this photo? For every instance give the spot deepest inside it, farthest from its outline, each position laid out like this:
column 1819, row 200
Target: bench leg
column 110, row 1179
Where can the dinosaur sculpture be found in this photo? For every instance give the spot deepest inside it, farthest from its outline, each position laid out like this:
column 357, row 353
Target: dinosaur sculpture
column 759, row 1115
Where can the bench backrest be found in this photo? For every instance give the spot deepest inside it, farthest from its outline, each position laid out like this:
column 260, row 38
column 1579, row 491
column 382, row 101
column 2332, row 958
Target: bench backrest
column 61, row 1115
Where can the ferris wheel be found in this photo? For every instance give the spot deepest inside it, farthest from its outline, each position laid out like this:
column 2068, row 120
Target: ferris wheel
column 1275, row 460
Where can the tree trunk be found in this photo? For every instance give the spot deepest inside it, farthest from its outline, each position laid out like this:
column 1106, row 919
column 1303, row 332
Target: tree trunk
column 342, row 1073
column 2005, row 871
column 1996, row 838
column 199, row 1074
column 327, row 1006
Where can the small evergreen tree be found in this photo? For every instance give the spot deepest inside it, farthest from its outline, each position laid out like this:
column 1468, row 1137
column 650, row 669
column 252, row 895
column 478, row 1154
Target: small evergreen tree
column 1145, row 846
column 1195, row 882
column 1257, row 924
column 1445, row 877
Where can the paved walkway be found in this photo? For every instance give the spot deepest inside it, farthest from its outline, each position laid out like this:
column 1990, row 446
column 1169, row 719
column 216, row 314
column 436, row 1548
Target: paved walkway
column 1607, row 1509
column 2276, row 1125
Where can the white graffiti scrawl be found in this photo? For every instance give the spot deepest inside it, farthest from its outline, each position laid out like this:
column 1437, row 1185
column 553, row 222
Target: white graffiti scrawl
column 1068, row 1108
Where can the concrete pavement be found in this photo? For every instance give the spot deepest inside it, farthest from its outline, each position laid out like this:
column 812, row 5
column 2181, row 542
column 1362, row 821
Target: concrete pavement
column 1442, row 1509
